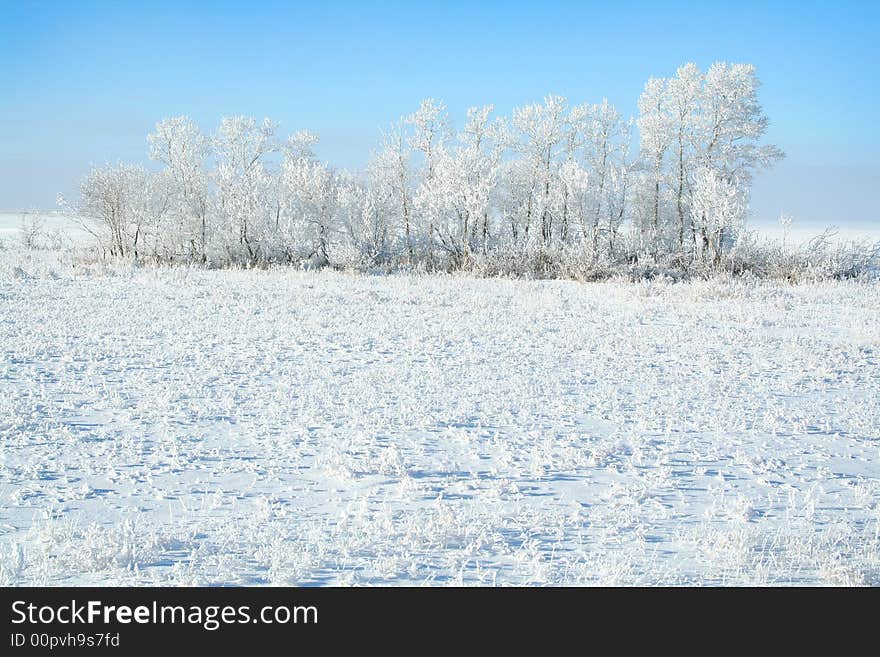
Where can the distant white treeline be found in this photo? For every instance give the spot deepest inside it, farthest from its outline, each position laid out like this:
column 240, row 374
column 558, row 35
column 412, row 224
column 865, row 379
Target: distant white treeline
column 552, row 186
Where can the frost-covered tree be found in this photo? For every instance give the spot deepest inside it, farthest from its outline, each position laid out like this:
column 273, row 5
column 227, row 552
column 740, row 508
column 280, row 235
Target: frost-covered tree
column 619, row 194
column 731, row 123
column 183, row 149
column 391, row 178
column 539, row 135
column 690, row 124
column 430, row 133
column 119, row 206
column 655, row 136
column 683, row 97
column 719, row 207
column 482, row 147
column 311, row 203
column 244, row 205
column 457, row 198
column 606, row 145
column 365, row 208
column 576, row 201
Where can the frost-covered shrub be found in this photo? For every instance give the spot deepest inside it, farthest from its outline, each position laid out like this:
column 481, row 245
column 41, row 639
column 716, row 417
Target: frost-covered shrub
column 31, row 231
column 822, row 257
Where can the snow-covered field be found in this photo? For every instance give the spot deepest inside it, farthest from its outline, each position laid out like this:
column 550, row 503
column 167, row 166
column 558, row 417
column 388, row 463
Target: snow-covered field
column 53, row 225
column 180, row 426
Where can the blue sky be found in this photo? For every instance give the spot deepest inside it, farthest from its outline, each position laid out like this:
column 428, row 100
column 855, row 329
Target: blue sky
column 85, row 81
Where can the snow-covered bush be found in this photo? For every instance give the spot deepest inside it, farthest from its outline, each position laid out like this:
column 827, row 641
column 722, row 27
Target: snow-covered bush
column 33, row 235
column 31, row 231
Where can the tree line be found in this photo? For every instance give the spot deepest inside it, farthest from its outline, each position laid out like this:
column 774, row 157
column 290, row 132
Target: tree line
column 552, row 181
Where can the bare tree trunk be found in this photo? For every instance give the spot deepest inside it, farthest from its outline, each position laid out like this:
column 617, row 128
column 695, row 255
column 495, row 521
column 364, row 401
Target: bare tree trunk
column 528, row 215
column 204, row 239
column 655, row 226
column 565, row 215
column 466, row 239
column 679, row 193
column 409, row 247
column 546, row 220
column 599, row 203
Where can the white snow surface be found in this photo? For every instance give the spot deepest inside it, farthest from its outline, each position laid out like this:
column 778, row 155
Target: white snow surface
column 182, row 426
column 67, row 227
